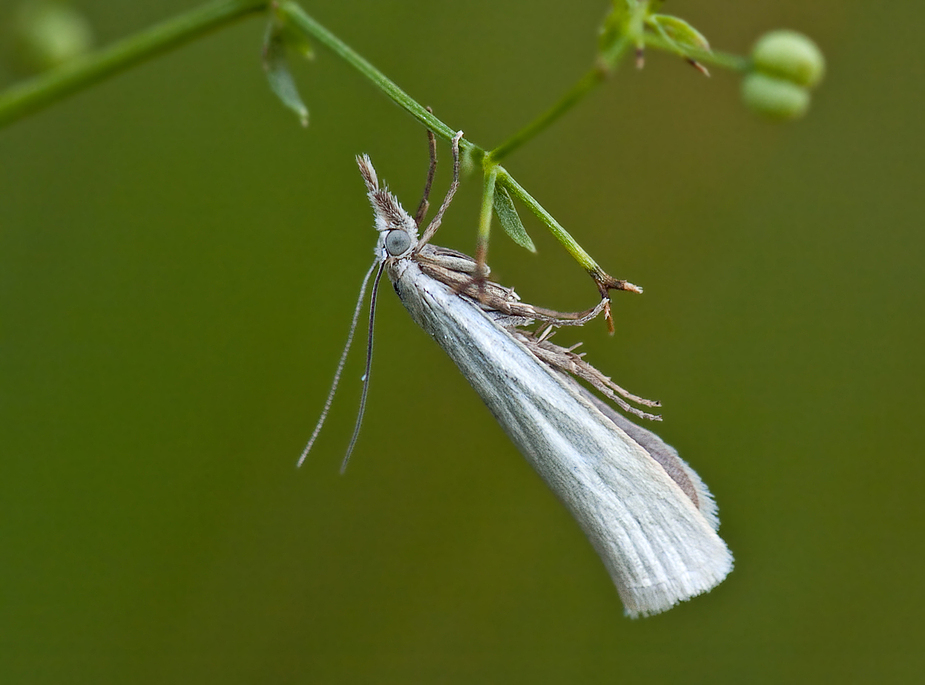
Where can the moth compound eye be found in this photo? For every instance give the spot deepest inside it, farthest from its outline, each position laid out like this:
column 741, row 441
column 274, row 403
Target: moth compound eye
column 397, row 243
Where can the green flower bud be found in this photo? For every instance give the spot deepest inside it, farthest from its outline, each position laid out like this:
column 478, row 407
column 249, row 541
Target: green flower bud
column 49, row 33
column 790, row 56
column 774, row 97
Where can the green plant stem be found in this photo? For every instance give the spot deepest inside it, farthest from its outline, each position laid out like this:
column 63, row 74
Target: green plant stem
column 606, row 65
column 576, row 93
column 723, row 60
column 488, row 199
column 41, row 91
column 300, row 20
column 601, row 71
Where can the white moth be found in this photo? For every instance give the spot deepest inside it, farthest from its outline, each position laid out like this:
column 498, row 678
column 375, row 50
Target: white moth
column 646, row 512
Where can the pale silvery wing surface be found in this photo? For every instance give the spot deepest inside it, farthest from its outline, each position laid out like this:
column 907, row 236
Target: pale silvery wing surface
column 649, row 516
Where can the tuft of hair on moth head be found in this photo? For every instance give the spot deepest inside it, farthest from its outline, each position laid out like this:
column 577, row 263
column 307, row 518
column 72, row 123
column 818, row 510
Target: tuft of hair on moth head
column 388, row 213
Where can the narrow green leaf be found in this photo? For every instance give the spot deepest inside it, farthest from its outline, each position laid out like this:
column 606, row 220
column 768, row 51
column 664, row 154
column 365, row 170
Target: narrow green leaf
column 296, row 40
column 276, row 66
column 510, row 220
column 678, row 31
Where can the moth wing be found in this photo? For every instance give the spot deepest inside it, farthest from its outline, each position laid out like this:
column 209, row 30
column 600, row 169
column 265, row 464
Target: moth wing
column 658, row 546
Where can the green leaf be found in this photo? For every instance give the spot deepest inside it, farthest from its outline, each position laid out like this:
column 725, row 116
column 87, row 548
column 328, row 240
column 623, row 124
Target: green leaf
column 276, row 66
column 510, row 220
column 296, row 39
column 678, row 31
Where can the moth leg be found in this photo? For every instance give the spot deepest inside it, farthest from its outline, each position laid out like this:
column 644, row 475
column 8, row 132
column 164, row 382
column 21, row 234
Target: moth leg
column 492, row 296
column 606, row 283
column 438, row 217
column 527, row 311
column 432, row 145
column 558, row 319
column 565, row 360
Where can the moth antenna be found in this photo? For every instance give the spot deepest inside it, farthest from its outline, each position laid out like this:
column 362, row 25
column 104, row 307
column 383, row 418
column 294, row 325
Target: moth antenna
column 340, row 367
column 369, row 363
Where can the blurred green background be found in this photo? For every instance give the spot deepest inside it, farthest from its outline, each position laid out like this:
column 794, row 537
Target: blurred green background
column 178, row 265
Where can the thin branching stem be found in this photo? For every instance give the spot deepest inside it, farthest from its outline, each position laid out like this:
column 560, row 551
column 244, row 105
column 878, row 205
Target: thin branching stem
column 300, row 20
column 575, row 94
column 488, row 197
column 724, row 60
column 39, row 92
column 606, row 65
column 32, row 95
